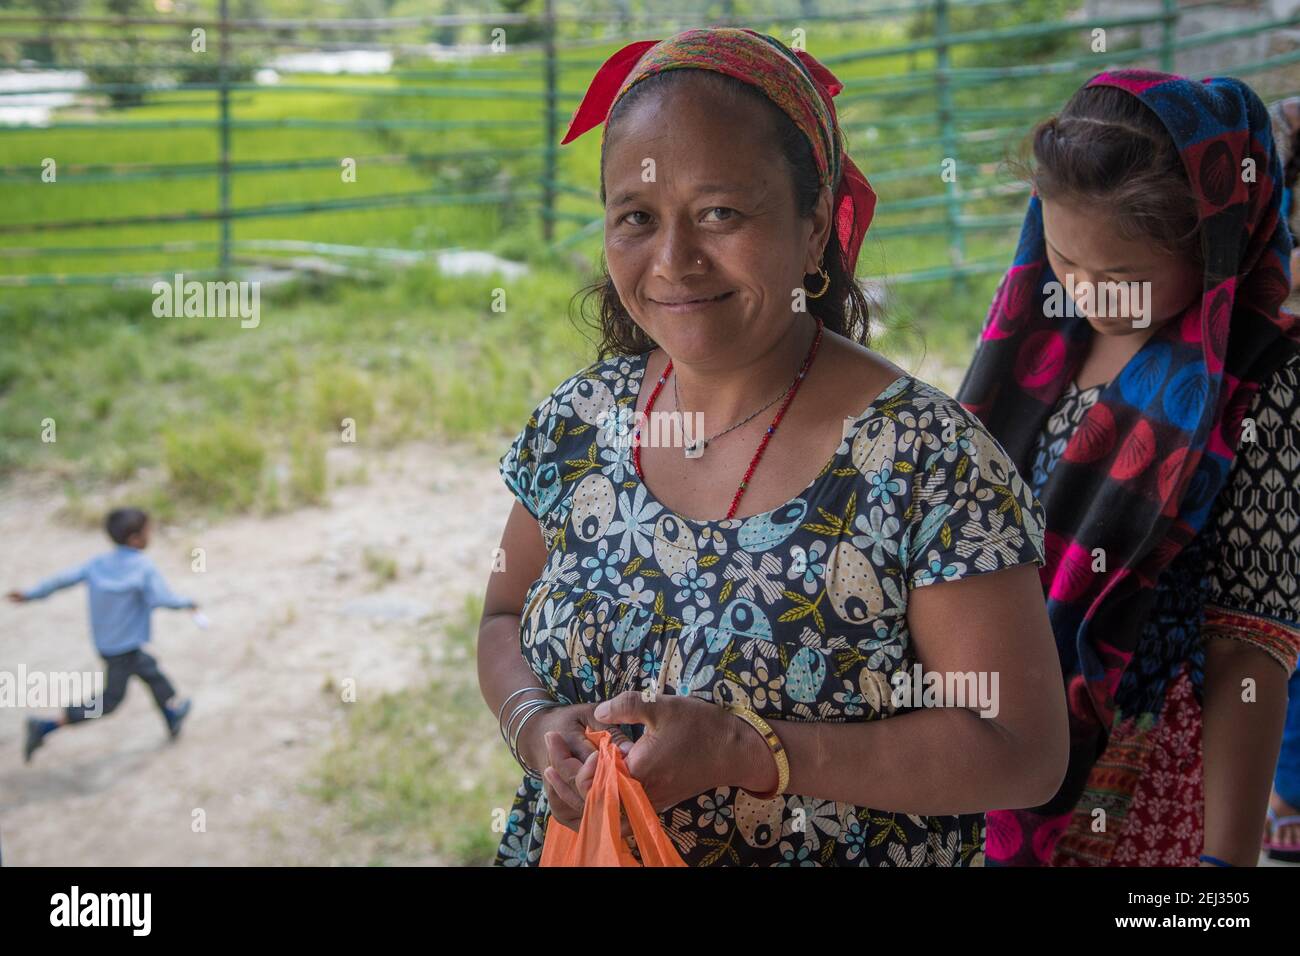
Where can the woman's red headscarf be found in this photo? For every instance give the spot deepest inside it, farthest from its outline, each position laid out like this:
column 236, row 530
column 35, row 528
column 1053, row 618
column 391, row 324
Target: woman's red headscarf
column 800, row 86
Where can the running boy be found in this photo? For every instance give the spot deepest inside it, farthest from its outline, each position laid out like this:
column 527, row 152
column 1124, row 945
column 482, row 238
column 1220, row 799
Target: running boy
column 124, row 588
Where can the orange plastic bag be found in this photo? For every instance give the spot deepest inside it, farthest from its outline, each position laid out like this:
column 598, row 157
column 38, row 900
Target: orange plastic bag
column 598, row 842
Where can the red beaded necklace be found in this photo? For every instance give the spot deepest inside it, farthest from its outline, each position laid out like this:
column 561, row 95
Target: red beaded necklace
column 762, row 446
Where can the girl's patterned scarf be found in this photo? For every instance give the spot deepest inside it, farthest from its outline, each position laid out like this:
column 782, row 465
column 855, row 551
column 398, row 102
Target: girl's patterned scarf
column 800, row 86
column 1139, row 475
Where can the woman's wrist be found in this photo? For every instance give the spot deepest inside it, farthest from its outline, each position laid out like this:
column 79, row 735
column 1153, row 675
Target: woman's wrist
column 750, row 763
column 531, row 743
column 518, row 717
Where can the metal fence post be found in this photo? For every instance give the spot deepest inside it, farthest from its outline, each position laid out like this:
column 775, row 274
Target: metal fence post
column 943, row 85
column 223, row 96
column 1168, row 31
column 551, row 126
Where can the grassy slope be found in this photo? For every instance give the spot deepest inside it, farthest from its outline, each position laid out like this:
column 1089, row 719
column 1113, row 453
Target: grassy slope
column 214, row 405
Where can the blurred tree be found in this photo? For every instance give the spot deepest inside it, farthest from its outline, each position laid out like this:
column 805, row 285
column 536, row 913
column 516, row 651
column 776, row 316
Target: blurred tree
column 123, row 60
column 42, row 50
column 524, row 32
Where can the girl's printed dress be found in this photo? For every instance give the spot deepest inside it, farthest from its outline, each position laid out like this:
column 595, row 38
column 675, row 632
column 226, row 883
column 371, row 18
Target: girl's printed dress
column 1237, row 579
column 798, row 612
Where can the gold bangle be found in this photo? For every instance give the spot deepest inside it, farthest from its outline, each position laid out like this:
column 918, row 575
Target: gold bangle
column 773, row 744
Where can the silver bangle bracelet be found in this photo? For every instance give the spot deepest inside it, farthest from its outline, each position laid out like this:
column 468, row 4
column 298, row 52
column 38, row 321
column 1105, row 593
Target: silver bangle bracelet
column 520, row 708
column 527, row 709
column 501, row 710
column 514, row 741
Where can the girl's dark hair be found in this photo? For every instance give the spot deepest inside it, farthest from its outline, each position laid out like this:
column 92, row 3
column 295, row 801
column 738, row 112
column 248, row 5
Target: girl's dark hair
column 843, row 308
column 1106, row 146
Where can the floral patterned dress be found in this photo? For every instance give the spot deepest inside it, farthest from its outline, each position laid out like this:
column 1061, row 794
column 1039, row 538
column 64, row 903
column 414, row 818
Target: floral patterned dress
column 798, row 612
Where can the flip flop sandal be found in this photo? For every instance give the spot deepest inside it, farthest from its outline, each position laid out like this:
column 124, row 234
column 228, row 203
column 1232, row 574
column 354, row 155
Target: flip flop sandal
column 1282, row 852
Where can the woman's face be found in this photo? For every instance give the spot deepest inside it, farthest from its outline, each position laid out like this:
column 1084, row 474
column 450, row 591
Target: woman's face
column 1085, row 242
column 700, row 206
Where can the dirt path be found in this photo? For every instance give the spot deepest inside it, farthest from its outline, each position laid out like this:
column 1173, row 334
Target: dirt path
column 294, row 603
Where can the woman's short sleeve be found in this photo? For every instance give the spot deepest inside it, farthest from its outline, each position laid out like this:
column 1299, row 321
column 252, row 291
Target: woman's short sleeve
column 521, row 462
column 1254, row 582
column 970, row 511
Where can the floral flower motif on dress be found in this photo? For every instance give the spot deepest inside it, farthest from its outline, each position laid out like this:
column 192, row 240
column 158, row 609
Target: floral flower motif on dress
column 808, row 566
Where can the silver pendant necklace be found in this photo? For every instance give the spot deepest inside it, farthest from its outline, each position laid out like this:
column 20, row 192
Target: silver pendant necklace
column 695, row 447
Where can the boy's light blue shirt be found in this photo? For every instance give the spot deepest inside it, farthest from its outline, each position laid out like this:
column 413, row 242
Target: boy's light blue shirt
column 124, row 587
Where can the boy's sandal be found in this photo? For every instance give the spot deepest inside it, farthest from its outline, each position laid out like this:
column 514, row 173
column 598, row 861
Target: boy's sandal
column 1281, row 852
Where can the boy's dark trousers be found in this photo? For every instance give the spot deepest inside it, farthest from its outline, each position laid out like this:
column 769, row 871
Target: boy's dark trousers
column 120, row 668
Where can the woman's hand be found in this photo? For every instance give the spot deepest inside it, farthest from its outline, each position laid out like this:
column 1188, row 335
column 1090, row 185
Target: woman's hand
column 689, row 746
column 554, row 741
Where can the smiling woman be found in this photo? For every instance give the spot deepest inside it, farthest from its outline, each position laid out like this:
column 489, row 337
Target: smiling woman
column 741, row 604
column 730, row 182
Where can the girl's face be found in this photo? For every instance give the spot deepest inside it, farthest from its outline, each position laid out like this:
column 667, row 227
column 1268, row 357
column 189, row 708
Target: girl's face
column 700, row 207
column 1084, row 242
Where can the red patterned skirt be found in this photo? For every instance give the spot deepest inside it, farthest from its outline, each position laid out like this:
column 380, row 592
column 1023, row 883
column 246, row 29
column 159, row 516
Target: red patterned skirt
column 1144, row 804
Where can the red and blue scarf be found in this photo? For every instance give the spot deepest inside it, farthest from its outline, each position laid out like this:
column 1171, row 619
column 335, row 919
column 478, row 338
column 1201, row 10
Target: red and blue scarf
column 1140, row 473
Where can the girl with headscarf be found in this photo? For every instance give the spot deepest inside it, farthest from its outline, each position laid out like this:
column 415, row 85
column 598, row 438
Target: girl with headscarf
column 1163, row 440
column 761, row 604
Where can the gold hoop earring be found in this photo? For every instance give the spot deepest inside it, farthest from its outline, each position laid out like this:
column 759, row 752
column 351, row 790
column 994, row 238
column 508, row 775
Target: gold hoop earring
column 825, row 285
